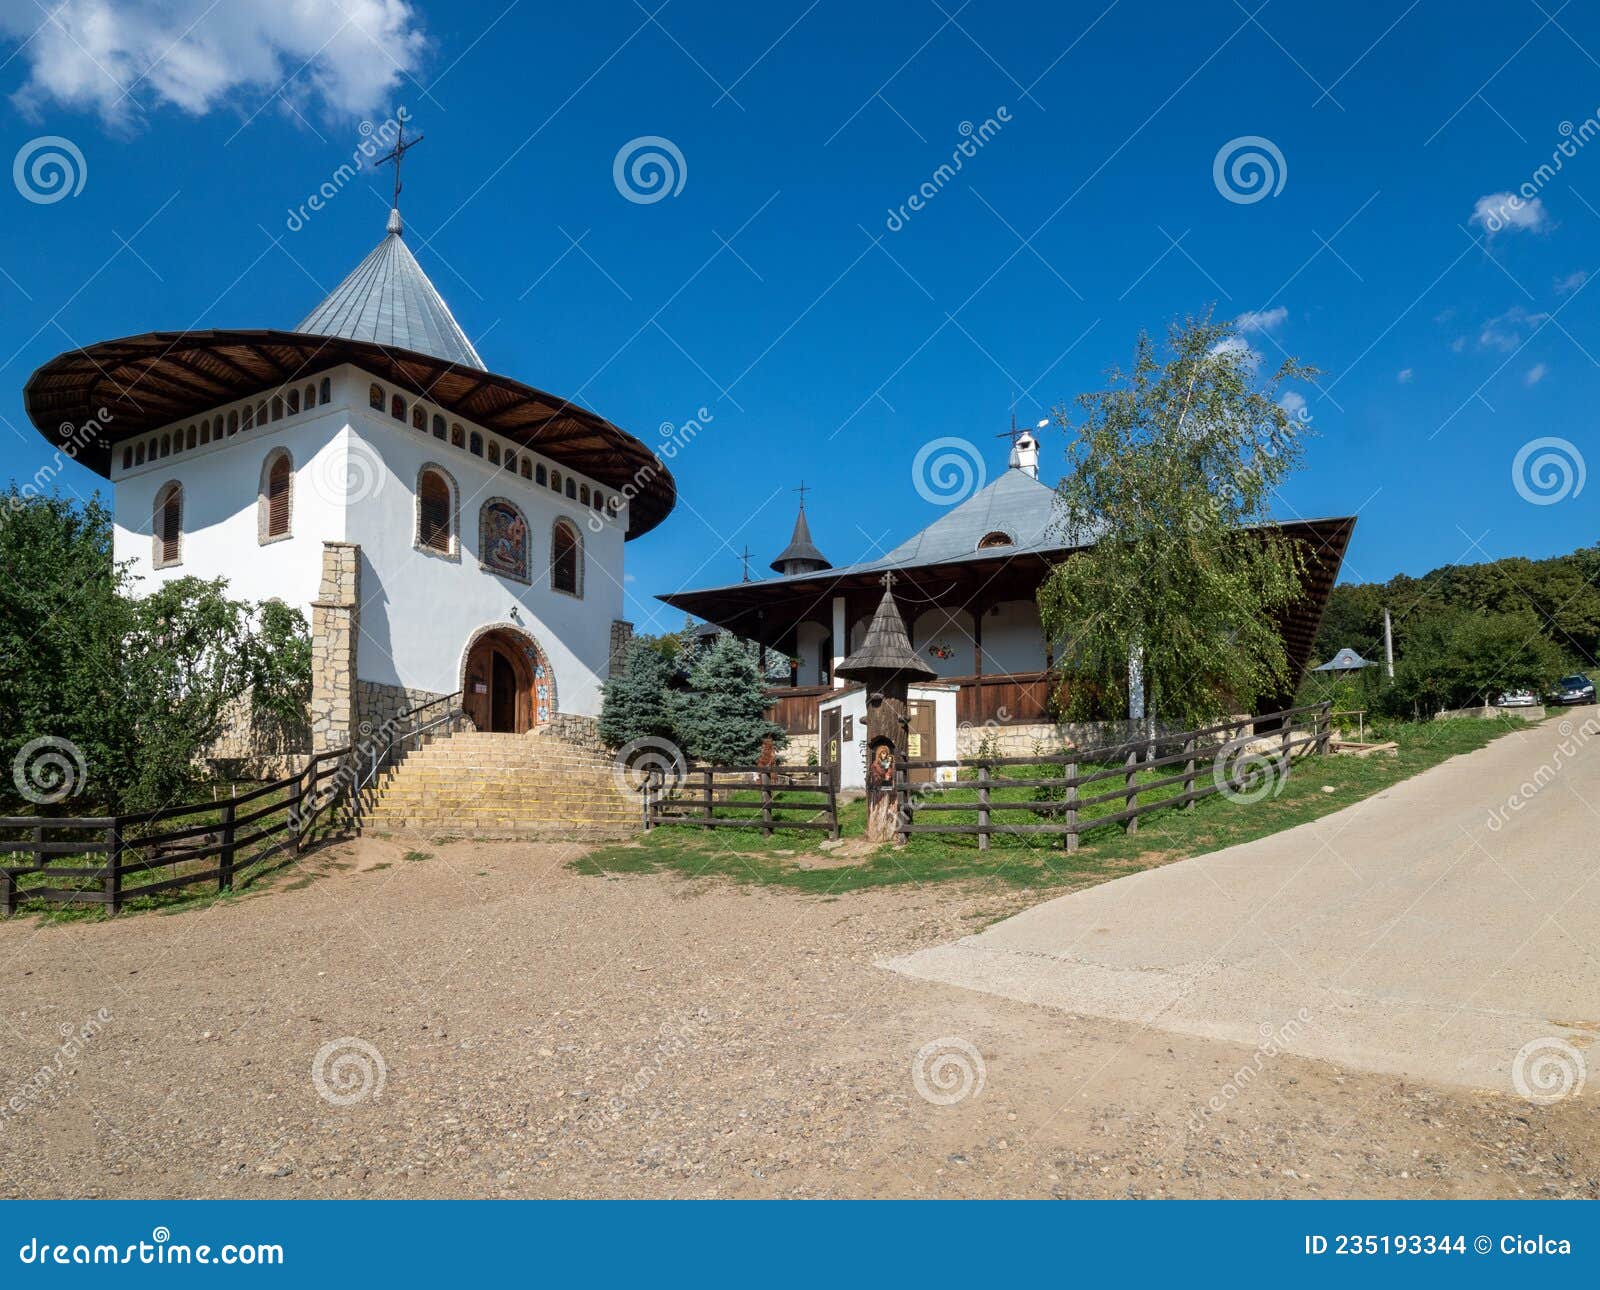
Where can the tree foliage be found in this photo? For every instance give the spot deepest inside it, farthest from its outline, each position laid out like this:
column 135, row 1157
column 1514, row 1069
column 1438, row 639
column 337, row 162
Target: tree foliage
column 634, row 703
column 1457, row 659
column 1169, row 466
column 140, row 685
column 721, row 718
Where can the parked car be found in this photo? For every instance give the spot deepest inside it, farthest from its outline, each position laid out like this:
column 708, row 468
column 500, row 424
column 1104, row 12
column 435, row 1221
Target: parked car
column 1576, row 688
column 1517, row 699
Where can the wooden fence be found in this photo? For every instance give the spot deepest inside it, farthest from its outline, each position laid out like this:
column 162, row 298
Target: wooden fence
column 744, row 797
column 1234, row 756
column 109, row 859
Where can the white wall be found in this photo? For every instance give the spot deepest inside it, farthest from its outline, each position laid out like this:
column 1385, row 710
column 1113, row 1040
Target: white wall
column 852, row 755
column 809, row 645
column 355, row 476
column 1013, row 641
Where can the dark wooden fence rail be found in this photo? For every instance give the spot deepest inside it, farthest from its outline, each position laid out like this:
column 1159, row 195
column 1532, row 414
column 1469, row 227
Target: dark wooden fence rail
column 746, row 796
column 1257, row 746
column 127, row 856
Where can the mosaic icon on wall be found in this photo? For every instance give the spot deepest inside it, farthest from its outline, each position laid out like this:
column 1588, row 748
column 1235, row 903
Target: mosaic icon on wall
column 505, row 540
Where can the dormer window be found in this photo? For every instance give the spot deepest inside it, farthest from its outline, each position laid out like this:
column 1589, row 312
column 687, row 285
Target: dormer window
column 995, row 539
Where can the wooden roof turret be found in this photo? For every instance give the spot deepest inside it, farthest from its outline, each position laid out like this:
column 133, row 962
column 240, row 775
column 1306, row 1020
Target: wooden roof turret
column 886, row 649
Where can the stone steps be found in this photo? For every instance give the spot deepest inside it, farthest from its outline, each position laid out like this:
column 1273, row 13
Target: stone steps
column 479, row 784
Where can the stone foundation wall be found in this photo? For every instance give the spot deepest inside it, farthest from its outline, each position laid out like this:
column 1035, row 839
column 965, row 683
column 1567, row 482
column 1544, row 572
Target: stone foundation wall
column 1023, row 739
column 378, row 704
column 801, row 750
column 582, row 732
column 252, row 746
column 621, row 636
column 335, row 625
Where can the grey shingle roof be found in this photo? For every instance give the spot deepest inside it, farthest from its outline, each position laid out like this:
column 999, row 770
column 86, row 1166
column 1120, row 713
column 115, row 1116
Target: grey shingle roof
column 886, row 648
column 388, row 300
column 1346, row 660
column 802, row 548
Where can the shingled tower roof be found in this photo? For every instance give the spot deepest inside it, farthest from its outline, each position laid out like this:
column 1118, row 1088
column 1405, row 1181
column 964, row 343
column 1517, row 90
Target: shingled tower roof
column 886, row 647
column 801, row 555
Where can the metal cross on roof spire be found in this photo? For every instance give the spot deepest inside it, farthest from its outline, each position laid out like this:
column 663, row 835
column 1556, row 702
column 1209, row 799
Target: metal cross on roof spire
column 803, row 490
column 745, row 556
column 397, row 154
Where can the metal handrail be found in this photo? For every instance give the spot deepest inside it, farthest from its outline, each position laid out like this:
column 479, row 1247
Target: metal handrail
column 378, row 758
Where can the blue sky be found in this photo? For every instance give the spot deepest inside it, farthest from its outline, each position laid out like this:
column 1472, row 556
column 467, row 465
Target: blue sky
column 771, row 290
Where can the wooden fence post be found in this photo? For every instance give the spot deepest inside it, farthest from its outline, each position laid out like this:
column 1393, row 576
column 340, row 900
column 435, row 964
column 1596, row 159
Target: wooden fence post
column 1324, row 727
column 113, row 878
column 902, row 803
column 709, row 795
column 833, row 803
column 225, row 856
column 1188, row 773
column 983, row 806
column 766, row 802
column 1130, row 791
column 1071, row 780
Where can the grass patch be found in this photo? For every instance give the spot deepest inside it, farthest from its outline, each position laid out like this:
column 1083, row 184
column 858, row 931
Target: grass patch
column 1033, row 861
column 419, row 855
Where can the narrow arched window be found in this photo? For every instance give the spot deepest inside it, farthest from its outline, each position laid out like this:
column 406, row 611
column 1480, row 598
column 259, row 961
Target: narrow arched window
column 276, row 498
column 166, row 445
column 375, row 396
column 233, row 422
column 192, row 438
column 292, row 401
column 583, row 494
column 494, row 453
column 438, row 426
column 248, row 418
column 475, row 444
column 277, row 407
column 205, row 432
column 458, row 436
column 261, row 413
column 566, row 559
column 555, row 479
column 397, row 408
column 169, row 526
column 419, row 418
column 127, row 458
column 540, row 474
column 327, row 389
column 311, row 397
column 572, row 488
column 526, row 467
column 435, row 511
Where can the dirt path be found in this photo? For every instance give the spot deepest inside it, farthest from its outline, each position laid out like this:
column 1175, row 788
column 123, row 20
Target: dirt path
column 546, row 1034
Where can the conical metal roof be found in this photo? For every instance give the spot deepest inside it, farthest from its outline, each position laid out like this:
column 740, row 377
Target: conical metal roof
column 886, row 646
column 388, row 300
column 801, row 555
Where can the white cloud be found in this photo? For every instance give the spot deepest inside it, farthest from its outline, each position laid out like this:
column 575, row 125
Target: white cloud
column 343, row 58
column 1497, row 212
column 1261, row 320
column 1404, row 375
column 1294, row 403
column 1567, row 285
column 1505, row 332
column 1535, row 374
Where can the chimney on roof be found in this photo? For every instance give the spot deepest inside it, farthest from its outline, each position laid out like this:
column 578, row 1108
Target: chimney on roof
column 1025, row 455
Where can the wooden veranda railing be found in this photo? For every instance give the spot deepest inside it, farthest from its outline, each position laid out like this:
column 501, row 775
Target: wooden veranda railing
column 1236, row 757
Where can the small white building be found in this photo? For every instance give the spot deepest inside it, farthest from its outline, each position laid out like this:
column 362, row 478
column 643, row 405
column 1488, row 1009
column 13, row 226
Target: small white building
column 444, row 529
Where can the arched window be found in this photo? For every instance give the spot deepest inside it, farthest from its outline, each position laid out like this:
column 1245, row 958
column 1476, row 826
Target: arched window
column 475, row 444
column 419, row 418
column 540, row 474
column 127, row 458
column 375, row 396
column 438, row 426
column 397, row 408
column 261, row 413
column 248, row 419
column 572, row 488
column 583, row 494
column 205, row 432
column 233, row 422
column 276, row 500
column 277, row 407
column 503, row 539
column 192, row 438
column 436, row 509
column 527, row 468
column 169, row 526
column 566, row 559
column 327, row 389
column 494, row 453
column 510, row 462
column 166, row 445
column 310, row 397
column 995, row 539
column 292, row 402
column 599, row 500
column 555, row 479
column 458, row 436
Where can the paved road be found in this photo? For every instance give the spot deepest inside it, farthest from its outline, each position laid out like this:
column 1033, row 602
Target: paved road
column 1403, row 934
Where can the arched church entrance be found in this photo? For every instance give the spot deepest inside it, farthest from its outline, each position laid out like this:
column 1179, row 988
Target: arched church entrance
column 506, row 685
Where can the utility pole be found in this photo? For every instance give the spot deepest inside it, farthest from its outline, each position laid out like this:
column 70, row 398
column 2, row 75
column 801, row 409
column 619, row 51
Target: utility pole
column 1388, row 643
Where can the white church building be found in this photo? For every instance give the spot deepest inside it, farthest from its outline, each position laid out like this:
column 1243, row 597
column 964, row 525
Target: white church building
column 444, row 529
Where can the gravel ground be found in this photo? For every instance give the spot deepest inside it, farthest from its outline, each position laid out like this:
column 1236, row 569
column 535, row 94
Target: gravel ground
column 491, row 1024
